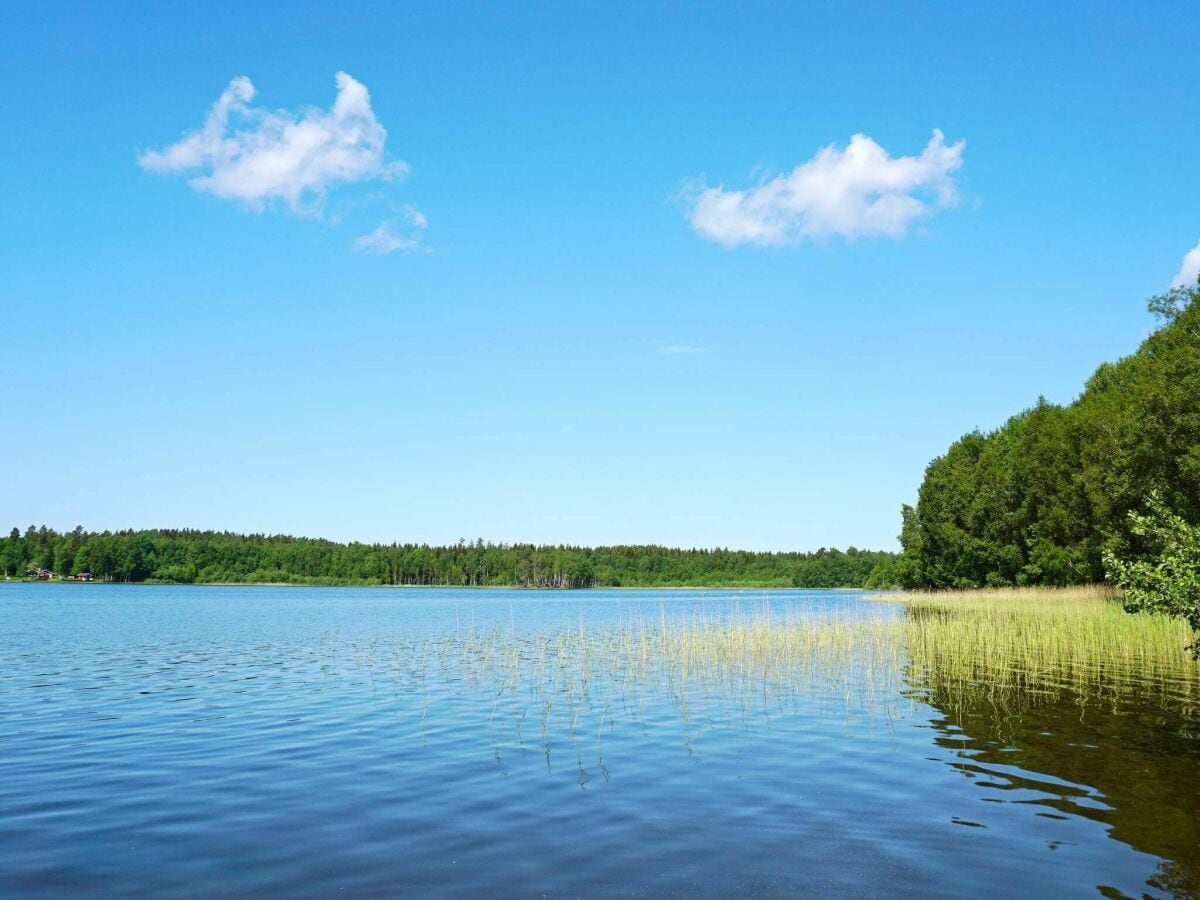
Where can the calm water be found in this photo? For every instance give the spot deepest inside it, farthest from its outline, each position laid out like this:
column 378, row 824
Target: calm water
column 237, row 741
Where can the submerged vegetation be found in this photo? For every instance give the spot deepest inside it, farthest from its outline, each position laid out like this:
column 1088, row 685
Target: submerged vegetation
column 186, row 557
column 1044, row 498
column 1012, row 650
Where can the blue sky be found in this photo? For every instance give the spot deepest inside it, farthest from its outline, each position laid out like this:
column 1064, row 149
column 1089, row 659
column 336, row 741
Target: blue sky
column 569, row 340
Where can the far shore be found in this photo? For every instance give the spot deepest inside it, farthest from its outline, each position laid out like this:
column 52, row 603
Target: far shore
column 458, row 587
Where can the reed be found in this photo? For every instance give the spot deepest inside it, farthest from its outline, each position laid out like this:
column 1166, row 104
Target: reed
column 1022, row 646
column 733, row 670
column 1006, row 650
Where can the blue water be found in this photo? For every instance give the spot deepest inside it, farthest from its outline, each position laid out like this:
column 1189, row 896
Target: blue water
column 224, row 741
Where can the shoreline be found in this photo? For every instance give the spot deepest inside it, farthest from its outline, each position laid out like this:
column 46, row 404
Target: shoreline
column 460, row 587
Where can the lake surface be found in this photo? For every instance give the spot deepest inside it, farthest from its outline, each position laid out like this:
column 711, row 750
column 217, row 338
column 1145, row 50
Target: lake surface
column 225, row 741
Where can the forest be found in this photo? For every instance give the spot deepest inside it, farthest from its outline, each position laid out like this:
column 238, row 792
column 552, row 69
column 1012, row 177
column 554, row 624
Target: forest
column 1058, row 489
column 186, row 557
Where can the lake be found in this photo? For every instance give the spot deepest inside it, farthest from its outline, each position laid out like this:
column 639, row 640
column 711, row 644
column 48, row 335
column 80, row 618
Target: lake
column 233, row 740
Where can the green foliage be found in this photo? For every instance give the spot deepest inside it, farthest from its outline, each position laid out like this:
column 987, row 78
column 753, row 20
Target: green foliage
column 205, row 556
column 1037, row 501
column 885, row 575
column 1166, row 577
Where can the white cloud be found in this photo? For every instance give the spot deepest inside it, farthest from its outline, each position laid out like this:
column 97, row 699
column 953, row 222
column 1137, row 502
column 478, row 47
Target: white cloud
column 1190, row 270
column 254, row 155
column 679, row 349
column 855, row 192
column 386, row 239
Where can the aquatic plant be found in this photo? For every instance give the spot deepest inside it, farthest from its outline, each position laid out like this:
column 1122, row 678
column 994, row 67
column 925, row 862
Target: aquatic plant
column 1018, row 647
column 1005, row 650
column 738, row 670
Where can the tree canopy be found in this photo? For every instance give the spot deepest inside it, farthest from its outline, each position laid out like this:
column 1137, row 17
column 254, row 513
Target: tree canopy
column 209, row 556
column 1043, row 498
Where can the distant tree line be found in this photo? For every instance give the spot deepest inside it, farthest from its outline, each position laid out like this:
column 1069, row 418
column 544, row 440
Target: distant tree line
column 211, row 557
column 1057, row 490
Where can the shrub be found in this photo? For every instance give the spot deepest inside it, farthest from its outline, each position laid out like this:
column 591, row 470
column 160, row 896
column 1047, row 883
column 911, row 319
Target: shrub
column 1167, row 578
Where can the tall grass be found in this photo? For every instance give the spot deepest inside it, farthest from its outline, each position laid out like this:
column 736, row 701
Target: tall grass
column 727, row 671
column 1006, row 649
column 1021, row 646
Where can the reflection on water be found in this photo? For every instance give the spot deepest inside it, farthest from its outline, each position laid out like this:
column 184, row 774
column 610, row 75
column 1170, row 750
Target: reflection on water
column 307, row 741
column 1129, row 759
column 1067, row 704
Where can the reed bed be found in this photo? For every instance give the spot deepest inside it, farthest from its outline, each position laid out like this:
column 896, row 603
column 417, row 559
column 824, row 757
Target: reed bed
column 1024, row 646
column 740, row 670
column 1005, row 650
